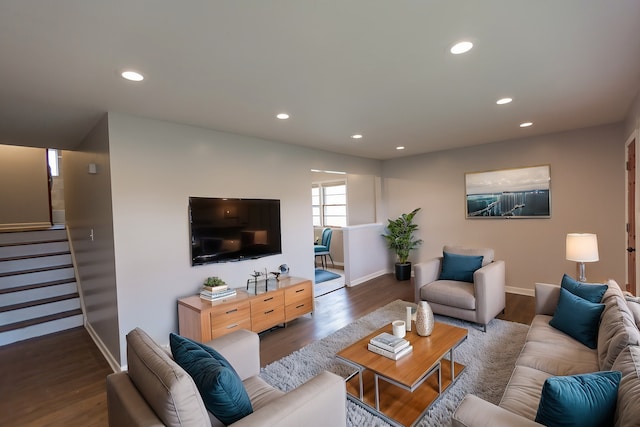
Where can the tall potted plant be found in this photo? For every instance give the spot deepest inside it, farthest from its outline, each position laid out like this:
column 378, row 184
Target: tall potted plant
column 400, row 239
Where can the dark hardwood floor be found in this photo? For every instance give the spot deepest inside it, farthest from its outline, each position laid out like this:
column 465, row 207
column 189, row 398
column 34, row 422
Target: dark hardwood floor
column 59, row 380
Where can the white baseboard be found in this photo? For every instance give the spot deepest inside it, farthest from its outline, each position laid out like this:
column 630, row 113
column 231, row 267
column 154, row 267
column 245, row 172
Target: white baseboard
column 363, row 279
column 520, row 291
column 115, row 366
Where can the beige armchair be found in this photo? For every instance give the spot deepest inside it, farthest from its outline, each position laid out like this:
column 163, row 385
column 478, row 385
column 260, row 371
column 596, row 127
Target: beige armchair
column 156, row 391
column 477, row 302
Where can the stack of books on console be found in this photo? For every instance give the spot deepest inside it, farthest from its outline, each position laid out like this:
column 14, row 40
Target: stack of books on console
column 213, row 293
column 390, row 346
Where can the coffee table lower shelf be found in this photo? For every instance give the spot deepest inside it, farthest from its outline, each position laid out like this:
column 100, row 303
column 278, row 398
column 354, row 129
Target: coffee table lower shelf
column 400, row 406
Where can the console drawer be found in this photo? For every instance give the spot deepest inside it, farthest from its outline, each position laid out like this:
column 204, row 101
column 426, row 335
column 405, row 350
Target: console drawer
column 264, row 303
column 226, row 318
column 267, row 318
column 298, row 309
column 297, row 293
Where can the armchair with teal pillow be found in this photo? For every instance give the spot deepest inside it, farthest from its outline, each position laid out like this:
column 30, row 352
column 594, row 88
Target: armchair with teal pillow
column 465, row 283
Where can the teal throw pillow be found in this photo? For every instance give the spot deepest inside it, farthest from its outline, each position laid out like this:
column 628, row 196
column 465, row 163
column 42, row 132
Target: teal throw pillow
column 577, row 318
column 459, row 267
column 587, row 400
column 219, row 385
column 589, row 291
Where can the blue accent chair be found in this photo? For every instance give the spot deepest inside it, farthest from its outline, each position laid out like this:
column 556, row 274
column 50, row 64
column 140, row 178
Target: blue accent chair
column 322, row 250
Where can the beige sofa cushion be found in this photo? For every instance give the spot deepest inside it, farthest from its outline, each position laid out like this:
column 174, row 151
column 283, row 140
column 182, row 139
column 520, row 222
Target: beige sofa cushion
column 487, row 253
column 522, row 394
column 634, row 308
column 166, row 387
column 260, row 393
column 450, row 293
column 617, row 327
column 565, row 360
column 628, row 409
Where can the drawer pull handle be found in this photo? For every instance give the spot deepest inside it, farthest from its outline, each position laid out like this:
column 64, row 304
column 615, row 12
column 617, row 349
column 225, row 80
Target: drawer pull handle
column 231, row 311
column 267, row 299
column 300, row 306
column 232, row 326
column 267, row 312
column 299, row 290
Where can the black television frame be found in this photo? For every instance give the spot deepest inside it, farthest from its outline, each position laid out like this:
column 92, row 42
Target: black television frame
column 233, row 229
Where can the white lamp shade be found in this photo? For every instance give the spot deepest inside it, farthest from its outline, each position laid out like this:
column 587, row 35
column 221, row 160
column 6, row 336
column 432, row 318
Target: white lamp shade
column 582, row 247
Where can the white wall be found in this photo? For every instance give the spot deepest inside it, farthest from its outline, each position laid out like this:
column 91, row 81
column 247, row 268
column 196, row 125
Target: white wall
column 156, row 166
column 587, row 195
column 365, row 253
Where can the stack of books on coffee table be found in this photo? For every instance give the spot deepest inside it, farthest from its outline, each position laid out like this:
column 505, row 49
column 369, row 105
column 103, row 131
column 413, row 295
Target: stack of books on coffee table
column 388, row 345
column 213, row 293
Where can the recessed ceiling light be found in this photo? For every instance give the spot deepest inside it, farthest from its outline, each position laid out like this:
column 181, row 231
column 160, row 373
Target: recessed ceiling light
column 503, row 101
column 132, row 76
column 283, row 116
column 400, row 147
column 525, row 124
column 356, row 136
column 461, row 47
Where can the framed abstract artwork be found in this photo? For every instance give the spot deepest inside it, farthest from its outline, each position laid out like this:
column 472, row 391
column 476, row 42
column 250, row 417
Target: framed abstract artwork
column 509, row 193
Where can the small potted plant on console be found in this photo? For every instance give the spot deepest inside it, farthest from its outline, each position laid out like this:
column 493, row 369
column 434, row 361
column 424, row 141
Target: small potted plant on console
column 215, row 288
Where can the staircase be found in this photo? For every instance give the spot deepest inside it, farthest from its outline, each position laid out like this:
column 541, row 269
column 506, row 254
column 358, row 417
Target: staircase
column 38, row 289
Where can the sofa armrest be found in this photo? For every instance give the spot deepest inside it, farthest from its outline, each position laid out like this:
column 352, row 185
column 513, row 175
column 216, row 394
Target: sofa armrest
column 319, row 402
column 242, row 349
column 475, row 412
column 547, row 298
column 489, row 282
column 425, row 273
column 125, row 404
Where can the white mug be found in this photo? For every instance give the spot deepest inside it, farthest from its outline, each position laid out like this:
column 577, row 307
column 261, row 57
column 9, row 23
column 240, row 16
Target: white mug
column 399, row 328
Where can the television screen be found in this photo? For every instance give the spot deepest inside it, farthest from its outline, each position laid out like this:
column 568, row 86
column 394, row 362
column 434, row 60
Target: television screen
column 233, row 229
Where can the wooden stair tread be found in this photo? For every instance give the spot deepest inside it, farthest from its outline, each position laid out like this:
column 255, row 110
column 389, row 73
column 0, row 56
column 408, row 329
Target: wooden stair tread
column 35, row 242
column 43, row 255
column 35, row 303
column 36, row 270
column 39, row 320
column 37, row 286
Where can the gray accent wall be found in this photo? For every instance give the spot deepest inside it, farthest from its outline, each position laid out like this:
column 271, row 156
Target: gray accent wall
column 587, row 196
column 89, row 213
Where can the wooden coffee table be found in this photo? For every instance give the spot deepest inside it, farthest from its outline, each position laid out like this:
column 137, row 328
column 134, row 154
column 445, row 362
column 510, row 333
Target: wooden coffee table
column 409, row 385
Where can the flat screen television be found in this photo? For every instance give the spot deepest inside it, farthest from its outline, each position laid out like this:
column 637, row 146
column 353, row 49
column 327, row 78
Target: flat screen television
column 233, row 229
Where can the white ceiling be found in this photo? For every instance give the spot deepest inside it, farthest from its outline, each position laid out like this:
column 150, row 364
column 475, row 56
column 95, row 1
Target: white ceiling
column 339, row 67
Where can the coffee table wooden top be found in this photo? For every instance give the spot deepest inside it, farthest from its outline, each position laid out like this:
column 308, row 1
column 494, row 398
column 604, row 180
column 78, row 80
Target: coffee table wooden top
column 427, row 352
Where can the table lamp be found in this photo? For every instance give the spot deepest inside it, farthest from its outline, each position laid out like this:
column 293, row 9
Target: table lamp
column 582, row 247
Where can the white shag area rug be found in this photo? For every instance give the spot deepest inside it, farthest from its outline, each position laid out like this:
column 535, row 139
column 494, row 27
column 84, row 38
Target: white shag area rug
column 489, row 359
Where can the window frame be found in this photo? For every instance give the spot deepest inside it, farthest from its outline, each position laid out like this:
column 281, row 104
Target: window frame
column 321, row 186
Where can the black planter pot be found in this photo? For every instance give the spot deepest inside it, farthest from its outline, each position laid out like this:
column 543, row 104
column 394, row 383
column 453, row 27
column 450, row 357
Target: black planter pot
column 403, row 271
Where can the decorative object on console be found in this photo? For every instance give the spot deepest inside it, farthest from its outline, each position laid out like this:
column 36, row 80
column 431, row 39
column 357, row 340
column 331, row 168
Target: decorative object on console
column 284, row 270
column 215, row 282
column 409, row 319
column 424, row 319
column 400, row 239
column 215, row 289
column 582, row 247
